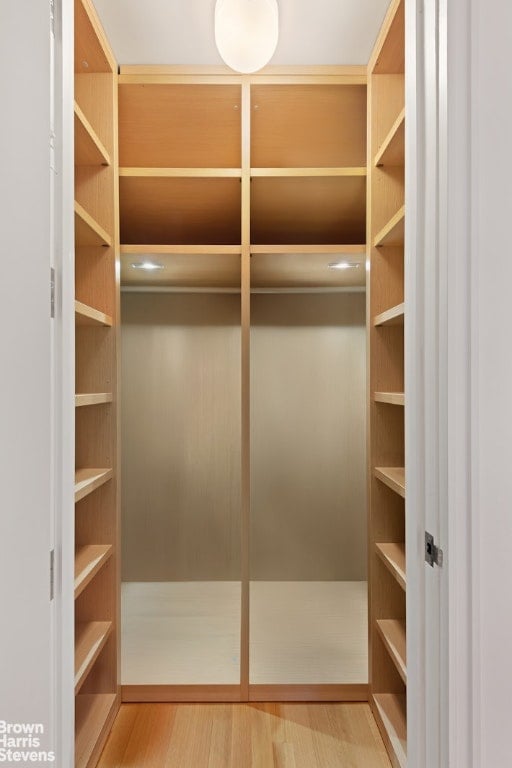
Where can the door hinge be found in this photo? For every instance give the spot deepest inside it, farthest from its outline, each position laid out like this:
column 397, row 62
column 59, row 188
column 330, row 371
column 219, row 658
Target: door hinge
column 52, row 292
column 433, row 553
column 52, row 574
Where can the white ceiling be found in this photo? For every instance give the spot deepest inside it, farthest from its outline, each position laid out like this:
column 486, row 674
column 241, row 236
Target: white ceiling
column 181, row 31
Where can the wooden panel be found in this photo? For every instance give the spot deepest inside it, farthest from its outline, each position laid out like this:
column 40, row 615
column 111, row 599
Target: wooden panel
column 94, row 190
column 87, row 480
column 392, row 316
column 386, row 280
column 393, row 232
column 392, row 150
column 94, row 96
column 389, row 53
column 181, row 495
column 95, row 398
column 182, row 173
column 317, row 210
column 307, row 349
column 184, row 270
column 180, row 125
column 392, row 719
column 180, row 693
column 308, row 693
column 94, row 284
column 90, row 638
column 85, row 315
column 393, row 477
column 88, row 561
column 393, row 398
column 393, row 557
column 279, row 270
column 393, row 635
column 92, row 51
column 94, row 715
column 181, row 211
column 308, row 125
column 87, row 229
column 89, row 150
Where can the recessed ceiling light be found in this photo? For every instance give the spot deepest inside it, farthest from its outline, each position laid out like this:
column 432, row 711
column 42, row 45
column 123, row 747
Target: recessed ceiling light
column 148, row 265
column 344, row 265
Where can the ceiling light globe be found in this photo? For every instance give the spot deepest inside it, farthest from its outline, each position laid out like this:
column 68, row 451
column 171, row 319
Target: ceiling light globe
column 246, row 33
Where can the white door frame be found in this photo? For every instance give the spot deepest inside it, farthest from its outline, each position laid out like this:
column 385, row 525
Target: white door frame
column 442, row 698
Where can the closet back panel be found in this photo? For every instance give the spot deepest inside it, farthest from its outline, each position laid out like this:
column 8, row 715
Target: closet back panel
column 181, row 436
column 308, row 499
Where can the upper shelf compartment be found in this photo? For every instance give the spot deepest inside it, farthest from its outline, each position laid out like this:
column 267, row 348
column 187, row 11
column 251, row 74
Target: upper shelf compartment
column 179, row 126
column 305, row 210
column 308, row 126
column 181, row 211
column 92, row 51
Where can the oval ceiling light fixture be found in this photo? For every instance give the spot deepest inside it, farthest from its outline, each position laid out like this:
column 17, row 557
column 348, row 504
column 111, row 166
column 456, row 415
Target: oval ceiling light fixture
column 246, row 33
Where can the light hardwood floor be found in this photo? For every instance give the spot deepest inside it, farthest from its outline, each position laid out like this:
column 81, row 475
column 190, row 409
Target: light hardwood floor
column 244, row 736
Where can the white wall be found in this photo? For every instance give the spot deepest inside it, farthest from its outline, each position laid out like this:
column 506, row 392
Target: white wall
column 25, row 417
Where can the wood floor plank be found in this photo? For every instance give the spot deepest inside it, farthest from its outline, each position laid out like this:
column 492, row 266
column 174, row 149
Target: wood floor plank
column 268, row 735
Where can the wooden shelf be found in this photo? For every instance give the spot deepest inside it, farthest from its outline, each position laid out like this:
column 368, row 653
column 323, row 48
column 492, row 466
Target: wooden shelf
column 392, row 710
column 393, row 557
column 393, row 398
column 93, row 716
column 392, row 316
column 393, row 477
column 87, row 230
column 307, row 172
column 393, row 232
column 388, row 56
column 393, row 635
column 95, row 398
column 90, row 637
column 308, row 210
column 181, row 173
column 89, row 150
column 181, row 211
column 87, row 480
column 392, row 150
column 85, row 315
column 88, row 561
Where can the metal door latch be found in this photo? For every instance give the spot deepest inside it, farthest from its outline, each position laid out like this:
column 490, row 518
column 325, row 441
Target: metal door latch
column 433, row 553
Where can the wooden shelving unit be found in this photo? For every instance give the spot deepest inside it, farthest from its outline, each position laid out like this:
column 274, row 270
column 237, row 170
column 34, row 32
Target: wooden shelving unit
column 296, row 142
column 392, row 316
column 94, row 398
column 393, row 477
column 392, row 398
column 85, row 315
column 243, row 183
column 88, row 562
column 393, row 557
column 393, row 635
column 387, row 310
column 96, row 328
column 89, row 641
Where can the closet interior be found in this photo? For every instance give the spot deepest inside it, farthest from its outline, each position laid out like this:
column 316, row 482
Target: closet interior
column 260, row 221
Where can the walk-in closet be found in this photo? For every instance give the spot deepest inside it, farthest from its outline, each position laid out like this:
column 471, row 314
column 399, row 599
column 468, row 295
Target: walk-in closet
column 240, row 514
